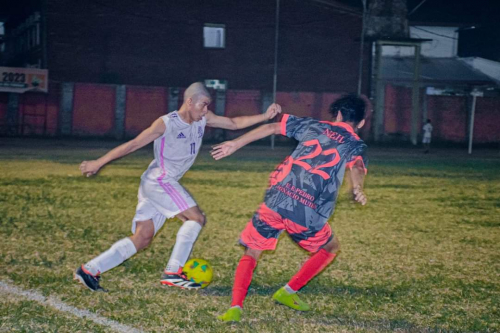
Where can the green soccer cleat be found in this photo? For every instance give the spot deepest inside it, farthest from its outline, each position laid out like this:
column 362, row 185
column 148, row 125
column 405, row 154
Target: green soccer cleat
column 291, row 300
column 231, row 315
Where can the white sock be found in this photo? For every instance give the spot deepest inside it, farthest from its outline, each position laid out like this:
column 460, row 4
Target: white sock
column 186, row 236
column 290, row 290
column 117, row 253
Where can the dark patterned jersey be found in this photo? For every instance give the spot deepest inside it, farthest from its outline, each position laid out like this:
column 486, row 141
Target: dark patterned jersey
column 304, row 187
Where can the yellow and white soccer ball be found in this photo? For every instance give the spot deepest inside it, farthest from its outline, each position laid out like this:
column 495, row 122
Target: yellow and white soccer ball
column 199, row 271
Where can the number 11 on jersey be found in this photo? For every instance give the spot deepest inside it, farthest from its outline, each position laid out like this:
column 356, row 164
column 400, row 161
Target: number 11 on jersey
column 193, row 148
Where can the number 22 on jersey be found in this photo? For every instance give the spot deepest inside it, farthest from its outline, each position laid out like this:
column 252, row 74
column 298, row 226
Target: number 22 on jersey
column 285, row 168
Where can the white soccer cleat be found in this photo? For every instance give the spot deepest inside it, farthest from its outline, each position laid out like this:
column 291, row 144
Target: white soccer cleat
column 178, row 280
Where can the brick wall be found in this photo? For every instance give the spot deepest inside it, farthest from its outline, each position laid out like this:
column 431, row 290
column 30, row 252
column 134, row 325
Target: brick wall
column 487, row 120
column 93, row 111
column 143, row 106
column 449, row 116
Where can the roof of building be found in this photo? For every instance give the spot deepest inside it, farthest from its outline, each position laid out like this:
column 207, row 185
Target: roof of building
column 433, row 71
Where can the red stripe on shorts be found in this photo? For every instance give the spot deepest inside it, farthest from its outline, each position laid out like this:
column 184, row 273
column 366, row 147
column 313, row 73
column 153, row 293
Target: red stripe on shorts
column 270, row 217
column 314, row 243
column 294, row 228
column 252, row 239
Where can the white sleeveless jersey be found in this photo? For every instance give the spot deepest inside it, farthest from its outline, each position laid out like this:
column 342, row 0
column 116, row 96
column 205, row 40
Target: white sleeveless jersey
column 176, row 150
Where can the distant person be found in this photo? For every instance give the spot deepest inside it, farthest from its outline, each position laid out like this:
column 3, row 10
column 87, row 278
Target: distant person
column 177, row 139
column 301, row 195
column 426, row 140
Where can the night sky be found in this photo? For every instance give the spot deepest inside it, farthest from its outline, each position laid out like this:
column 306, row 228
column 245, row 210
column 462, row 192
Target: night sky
column 482, row 12
column 449, row 11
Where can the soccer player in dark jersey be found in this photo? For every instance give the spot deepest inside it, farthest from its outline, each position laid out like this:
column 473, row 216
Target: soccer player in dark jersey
column 301, row 195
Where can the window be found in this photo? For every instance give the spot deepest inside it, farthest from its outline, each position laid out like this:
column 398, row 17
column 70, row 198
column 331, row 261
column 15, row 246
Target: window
column 214, row 36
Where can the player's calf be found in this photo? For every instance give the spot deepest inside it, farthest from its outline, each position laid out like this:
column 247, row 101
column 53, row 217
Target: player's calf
column 144, row 234
column 333, row 246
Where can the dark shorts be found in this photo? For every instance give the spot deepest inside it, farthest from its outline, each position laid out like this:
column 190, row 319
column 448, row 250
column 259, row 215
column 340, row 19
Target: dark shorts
column 263, row 230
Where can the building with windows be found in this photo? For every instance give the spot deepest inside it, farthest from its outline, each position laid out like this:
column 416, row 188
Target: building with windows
column 173, row 43
column 445, row 86
column 21, row 37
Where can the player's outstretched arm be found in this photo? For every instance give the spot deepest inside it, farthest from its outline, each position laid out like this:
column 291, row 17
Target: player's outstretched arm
column 227, row 148
column 244, row 121
column 357, row 180
column 89, row 168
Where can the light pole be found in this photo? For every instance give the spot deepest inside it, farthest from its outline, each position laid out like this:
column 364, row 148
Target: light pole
column 475, row 93
column 360, row 78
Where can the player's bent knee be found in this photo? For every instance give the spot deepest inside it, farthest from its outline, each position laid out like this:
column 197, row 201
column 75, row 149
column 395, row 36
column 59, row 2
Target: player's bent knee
column 332, row 246
column 144, row 235
column 141, row 241
column 253, row 253
column 182, row 218
column 200, row 219
column 146, row 241
column 193, row 214
column 203, row 220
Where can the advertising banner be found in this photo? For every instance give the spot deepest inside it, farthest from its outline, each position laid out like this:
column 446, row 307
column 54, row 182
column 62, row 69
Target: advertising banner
column 20, row 80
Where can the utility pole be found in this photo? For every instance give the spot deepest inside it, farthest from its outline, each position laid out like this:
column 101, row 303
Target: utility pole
column 275, row 76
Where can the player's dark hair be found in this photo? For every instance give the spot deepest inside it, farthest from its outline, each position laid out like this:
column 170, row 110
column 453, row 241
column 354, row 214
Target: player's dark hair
column 351, row 106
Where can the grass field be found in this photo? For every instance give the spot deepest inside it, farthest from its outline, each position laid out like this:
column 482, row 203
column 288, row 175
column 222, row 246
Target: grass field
column 422, row 256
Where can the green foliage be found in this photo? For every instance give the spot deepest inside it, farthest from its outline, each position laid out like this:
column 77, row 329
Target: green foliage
column 422, row 256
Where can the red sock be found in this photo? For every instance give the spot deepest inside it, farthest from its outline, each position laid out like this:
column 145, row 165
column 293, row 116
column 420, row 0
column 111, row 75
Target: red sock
column 311, row 268
column 242, row 279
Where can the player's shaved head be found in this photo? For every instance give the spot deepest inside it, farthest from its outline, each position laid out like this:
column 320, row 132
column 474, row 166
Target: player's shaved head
column 195, row 90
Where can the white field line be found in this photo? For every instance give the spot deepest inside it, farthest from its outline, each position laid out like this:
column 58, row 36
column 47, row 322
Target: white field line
column 53, row 302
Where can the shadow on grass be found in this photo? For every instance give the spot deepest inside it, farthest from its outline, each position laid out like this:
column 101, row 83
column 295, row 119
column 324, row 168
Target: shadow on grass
column 255, row 289
column 350, row 323
column 398, row 186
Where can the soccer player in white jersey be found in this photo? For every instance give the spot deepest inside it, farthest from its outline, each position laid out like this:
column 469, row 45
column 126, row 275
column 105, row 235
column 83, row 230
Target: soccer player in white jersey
column 177, row 139
column 426, row 140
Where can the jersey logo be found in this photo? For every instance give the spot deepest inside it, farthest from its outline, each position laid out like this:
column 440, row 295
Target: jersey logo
column 200, row 132
column 181, row 136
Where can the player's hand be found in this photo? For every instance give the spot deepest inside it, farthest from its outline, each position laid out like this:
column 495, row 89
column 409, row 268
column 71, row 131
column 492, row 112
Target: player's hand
column 359, row 195
column 273, row 110
column 223, row 149
column 89, row 168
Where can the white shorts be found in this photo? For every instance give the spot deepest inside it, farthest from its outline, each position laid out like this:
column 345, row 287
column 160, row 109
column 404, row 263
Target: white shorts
column 426, row 139
column 159, row 201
